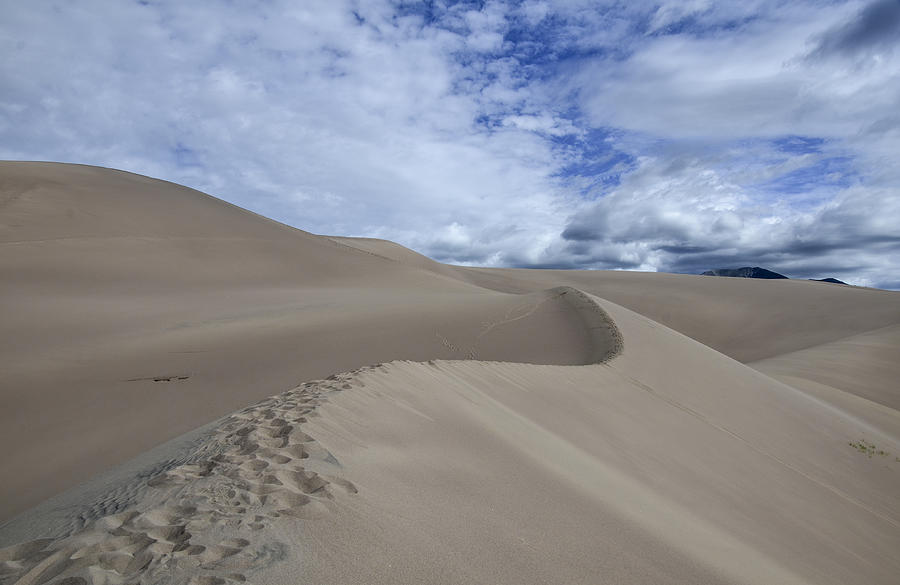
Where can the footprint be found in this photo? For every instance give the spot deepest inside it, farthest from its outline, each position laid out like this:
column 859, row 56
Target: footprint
column 306, row 482
column 251, row 471
column 216, row 553
column 339, row 481
column 255, row 464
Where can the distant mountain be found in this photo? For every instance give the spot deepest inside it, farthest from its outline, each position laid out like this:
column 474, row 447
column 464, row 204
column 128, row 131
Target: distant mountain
column 745, row 272
column 834, row 280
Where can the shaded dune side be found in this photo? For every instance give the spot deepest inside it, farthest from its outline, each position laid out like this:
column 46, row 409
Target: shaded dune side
column 557, row 326
column 604, row 338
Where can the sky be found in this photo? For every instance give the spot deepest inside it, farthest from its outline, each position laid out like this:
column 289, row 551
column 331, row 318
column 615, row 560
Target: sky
column 656, row 136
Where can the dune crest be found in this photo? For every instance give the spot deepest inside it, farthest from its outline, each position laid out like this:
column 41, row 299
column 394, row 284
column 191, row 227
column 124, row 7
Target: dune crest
column 746, row 319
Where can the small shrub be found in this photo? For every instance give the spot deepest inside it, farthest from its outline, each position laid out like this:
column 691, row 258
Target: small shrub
column 869, row 449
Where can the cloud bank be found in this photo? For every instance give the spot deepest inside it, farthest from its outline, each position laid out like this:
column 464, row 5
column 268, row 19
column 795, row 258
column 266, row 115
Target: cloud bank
column 672, row 136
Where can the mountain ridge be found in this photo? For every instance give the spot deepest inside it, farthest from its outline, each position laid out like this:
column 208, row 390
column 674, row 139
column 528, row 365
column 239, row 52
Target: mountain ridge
column 744, row 272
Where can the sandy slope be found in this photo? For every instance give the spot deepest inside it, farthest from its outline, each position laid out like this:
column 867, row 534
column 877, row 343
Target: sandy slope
column 671, row 464
column 134, row 310
column 865, row 365
column 858, row 375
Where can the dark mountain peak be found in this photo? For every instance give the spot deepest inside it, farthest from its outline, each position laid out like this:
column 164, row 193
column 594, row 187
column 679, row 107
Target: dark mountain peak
column 745, row 272
column 829, row 279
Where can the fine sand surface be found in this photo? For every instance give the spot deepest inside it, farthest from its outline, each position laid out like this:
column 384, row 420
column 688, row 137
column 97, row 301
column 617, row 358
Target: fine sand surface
column 539, row 426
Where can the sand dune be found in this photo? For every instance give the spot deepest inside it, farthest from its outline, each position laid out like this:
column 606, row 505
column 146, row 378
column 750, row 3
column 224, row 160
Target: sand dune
column 541, row 426
column 746, row 319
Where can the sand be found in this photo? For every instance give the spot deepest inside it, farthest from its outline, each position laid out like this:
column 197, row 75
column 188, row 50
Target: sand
column 522, row 426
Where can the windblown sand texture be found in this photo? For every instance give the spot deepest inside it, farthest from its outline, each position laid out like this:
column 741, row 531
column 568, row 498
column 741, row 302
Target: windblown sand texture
column 523, row 426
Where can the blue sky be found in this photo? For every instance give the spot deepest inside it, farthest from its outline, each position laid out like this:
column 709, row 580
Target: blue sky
column 666, row 136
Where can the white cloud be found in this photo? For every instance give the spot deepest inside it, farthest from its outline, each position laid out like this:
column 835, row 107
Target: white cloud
column 669, row 13
column 754, row 81
column 455, row 130
column 687, row 217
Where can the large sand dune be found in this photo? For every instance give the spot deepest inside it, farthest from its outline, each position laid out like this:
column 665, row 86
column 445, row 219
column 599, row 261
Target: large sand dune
column 577, row 426
column 155, row 309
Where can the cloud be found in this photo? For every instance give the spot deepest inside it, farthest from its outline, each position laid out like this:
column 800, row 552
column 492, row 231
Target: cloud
column 576, row 133
column 672, row 13
column 689, row 218
column 875, row 27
